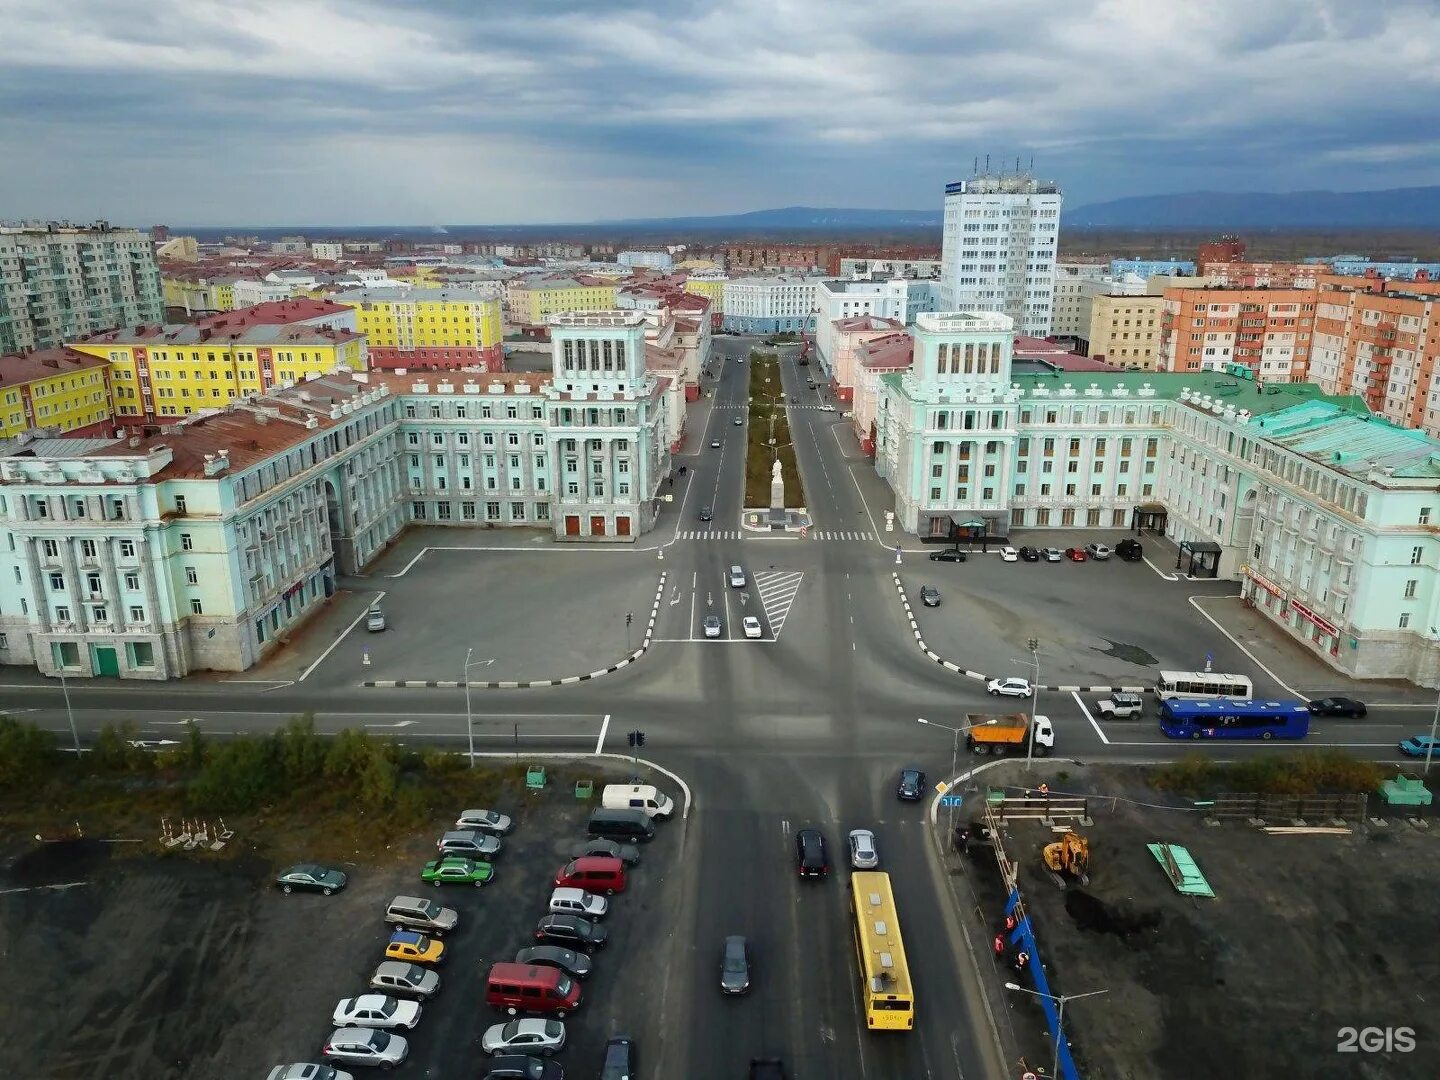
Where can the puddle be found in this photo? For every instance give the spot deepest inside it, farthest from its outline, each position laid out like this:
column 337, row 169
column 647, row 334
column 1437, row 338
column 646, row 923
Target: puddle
column 1131, row 654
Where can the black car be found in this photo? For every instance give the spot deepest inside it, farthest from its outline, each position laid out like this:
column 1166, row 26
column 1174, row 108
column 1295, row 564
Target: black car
column 570, row 930
column 629, row 854
column 705, row 513
column 911, row 786
column 735, row 965
column 810, row 854
column 1336, row 706
column 930, row 596
column 947, row 555
column 767, row 1069
column 522, row 1067
column 619, row 1062
column 1130, row 550
column 1030, row 554
column 569, row 961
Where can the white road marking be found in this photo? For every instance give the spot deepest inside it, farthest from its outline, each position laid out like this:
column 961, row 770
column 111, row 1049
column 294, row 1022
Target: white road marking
column 1093, row 724
column 38, row 888
column 604, row 727
column 396, row 724
column 1236, row 642
column 346, row 632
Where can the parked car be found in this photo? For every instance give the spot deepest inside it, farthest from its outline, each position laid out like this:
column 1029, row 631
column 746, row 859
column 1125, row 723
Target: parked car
column 706, row 514
column 628, row 854
column 396, row 978
column 947, row 555
column 470, row 842
column 1075, row 554
column 1336, row 706
column 619, row 1060
column 929, row 596
column 571, row 931
column 365, row 1046
column 529, row 1036
column 735, row 965
column 1097, row 551
column 568, row 901
column 417, row 913
column 311, row 877
column 490, row 821
column 1121, row 706
column 1009, row 554
column 457, row 870
column 810, row 856
column 1011, row 687
column 1052, row 554
column 863, row 855
column 1029, row 554
column 375, row 619
column 1420, row 746
column 376, row 1011
column 752, row 627
column 911, row 787
column 522, row 1067
column 573, row 963
column 1130, row 550
column 594, row 874
column 305, row 1070
column 712, row 626
column 415, row 947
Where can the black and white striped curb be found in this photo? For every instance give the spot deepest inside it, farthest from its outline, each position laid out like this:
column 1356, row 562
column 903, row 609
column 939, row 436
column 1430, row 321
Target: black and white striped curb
column 456, row 684
column 978, row 676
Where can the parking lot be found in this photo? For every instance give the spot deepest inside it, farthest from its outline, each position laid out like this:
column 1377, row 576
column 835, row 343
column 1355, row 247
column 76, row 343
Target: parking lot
column 169, row 966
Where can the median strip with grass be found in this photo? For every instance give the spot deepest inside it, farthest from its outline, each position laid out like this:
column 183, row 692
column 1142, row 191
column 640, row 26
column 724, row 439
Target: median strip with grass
column 768, row 420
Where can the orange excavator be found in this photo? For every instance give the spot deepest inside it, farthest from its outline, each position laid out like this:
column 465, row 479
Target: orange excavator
column 1068, row 859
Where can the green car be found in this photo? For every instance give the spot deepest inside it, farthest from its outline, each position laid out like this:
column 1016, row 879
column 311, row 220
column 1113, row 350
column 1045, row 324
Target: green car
column 457, row 870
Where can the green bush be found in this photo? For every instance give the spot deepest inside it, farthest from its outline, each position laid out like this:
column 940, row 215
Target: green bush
column 238, row 775
column 28, row 756
column 1311, row 772
column 302, row 752
column 113, row 751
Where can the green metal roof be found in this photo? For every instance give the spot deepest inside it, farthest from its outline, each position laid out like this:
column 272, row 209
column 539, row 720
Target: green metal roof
column 1352, row 444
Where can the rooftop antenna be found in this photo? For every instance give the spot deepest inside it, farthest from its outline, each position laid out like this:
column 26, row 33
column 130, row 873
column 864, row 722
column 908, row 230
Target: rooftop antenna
column 1017, row 165
column 975, row 169
column 1032, row 163
column 987, row 164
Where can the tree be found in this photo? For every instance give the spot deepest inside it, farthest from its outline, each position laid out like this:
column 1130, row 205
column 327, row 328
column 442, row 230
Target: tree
column 238, row 775
column 27, row 755
column 302, row 752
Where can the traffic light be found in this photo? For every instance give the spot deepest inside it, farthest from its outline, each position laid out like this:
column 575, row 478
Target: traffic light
column 629, row 617
column 637, row 739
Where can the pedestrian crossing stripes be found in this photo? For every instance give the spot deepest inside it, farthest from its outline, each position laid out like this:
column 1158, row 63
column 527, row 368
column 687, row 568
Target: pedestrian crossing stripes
column 840, row 534
column 738, row 534
column 709, row 534
column 777, row 589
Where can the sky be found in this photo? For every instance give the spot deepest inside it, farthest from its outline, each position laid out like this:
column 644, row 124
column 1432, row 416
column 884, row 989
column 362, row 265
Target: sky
column 337, row 112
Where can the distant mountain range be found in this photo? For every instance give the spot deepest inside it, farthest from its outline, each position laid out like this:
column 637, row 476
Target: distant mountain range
column 793, row 217
column 1396, row 208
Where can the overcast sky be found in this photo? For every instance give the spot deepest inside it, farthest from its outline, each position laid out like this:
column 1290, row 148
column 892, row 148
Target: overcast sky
column 465, row 111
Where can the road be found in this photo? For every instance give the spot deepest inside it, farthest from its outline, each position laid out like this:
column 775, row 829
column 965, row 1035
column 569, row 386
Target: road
column 806, row 727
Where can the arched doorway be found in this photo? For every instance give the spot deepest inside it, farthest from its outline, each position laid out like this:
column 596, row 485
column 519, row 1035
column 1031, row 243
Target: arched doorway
column 341, row 550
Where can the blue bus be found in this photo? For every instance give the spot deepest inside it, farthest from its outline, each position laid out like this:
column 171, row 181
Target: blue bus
column 1234, row 718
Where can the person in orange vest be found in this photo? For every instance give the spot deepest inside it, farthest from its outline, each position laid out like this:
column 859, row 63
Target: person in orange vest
column 1044, row 791
column 999, row 944
column 1010, row 921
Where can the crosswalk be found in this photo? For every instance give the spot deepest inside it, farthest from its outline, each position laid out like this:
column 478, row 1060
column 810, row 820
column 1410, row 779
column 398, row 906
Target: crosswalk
column 840, row 534
column 795, row 405
column 710, row 534
column 738, row 534
column 777, row 589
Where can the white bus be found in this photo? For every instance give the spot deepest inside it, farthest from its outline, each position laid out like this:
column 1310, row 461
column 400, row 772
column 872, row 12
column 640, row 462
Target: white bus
column 1202, row 684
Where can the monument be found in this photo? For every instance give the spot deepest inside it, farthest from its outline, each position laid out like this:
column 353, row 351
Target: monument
column 777, row 487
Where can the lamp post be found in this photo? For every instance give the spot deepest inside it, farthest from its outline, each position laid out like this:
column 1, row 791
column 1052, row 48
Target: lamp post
column 75, row 735
column 1429, row 747
column 1033, row 644
column 954, row 755
column 469, row 721
column 1060, row 1015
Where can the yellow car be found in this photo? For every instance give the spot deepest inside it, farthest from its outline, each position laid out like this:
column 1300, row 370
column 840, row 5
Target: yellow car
column 417, row 948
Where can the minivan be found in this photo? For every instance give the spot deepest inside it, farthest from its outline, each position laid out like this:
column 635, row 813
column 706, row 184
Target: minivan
column 594, row 874
column 637, row 797
column 531, row 988
column 632, row 825
column 421, row 914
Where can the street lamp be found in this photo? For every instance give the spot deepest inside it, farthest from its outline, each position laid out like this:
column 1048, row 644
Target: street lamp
column 1060, row 1015
column 1033, row 644
column 75, row 735
column 954, row 755
column 469, row 721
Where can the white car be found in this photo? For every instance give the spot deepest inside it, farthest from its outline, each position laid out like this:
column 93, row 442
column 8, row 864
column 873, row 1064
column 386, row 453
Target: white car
column 1011, row 687
column 712, row 626
column 566, row 901
column 752, row 626
column 529, row 1036
column 714, row 444
column 308, row 1070
column 376, row 1011
column 1052, row 554
column 491, row 821
column 863, row 855
column 827, row 408
column 1009, row 554
column 365, row 1046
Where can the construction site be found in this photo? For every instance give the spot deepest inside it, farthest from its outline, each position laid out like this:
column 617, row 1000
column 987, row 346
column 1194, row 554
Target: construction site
column 1232, row 937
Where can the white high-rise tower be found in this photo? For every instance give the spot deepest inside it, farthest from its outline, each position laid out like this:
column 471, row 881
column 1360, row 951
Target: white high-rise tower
column 999, row 248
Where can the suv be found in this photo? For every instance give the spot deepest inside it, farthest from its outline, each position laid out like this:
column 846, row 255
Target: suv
column 1130, row 550
column 619, row 1062
column 421, row 914
column 810, row 856
column 1121, row 706
column 1097, row 551
column 911, row 786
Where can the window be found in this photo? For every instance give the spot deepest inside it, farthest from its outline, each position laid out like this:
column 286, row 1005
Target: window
column 57, row 582
column 196, row 608
column 62, row 613
column 417, row 511
column 127, row 549
column 1415, row 554
column 132, row 580
column 191, row 577
column 517, row 511
column 100, row 613
column 142, row 654
column 1425, row 515
column 1404, row 619
column 137, row 613
column 1410, row 587
column 187, row 543
column 92, row 582
column 52, row 548
column 180, row 504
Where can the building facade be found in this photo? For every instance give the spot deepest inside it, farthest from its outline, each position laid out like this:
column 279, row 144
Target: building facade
column 58, row 282
column 429, row 329
column 327, row 252
column 1147, row 268
column 654, row 260
column 248, row 292
column 840, row 300
column 1263, row 275
column 998, row 248
column 770, row 305
column 1066, row 319
column 1124, row 330
column 1268, row 331
column 59, row 391
column 883, row 269
column 532, row 302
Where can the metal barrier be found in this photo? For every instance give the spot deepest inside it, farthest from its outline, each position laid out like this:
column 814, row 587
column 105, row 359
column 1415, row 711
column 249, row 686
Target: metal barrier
column 1232, row 806
column 1039, row 808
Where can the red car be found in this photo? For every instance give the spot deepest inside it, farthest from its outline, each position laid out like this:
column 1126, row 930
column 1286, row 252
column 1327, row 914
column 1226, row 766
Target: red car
column 1075, row 554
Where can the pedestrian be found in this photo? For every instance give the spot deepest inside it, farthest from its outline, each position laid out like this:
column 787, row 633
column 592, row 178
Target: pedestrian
column 1022, row 961
column 1044, row 790
column 999, row 944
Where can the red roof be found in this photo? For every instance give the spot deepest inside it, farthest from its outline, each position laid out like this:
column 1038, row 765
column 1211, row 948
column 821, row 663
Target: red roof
column 45, row 364
column 276, row 312
column 385, row 356
column 1050, row 352
column 888, row 352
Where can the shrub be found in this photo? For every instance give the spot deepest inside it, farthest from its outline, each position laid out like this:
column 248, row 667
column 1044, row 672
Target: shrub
column 301, row 751
column 238, row 775
column 114, row 751
column 1308, row 773
column 28, row 755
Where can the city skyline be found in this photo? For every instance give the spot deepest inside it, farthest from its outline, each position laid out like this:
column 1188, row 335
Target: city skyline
column 212, row 115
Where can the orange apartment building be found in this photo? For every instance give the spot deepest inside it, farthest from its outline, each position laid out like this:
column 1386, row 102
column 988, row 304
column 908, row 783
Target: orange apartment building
column 1380, row 340
column 1263, row 275
column 1267, row 330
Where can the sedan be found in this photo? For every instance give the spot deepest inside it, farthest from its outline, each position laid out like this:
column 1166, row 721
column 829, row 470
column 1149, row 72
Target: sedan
column 714, row 444
column 1336, row 706
column 735, row 965
column 457, row 870
column 752, row 627
column 911, row 786
column 1075, row 554
column 1052, row 554
column 530, row 1036
column 321, row 879
column 1419, row 746
column 1009, row 554
column 408, row 945
column 570, row 930
column 863, row 855
column 712, row 626
column 574, row 964
column 1030, row 554
column 408, row 979
column 706, row 514
column 827, row 408
column 1011, row 687
column 522, row 1067
column 365, row 1046
column 305, row 1070
column 376, row 1011
column 1097, row 551
column 469, row 842
column 948, row 555
column 629, row 854
column 737, row 421
column 929, row 596
column 491, row 821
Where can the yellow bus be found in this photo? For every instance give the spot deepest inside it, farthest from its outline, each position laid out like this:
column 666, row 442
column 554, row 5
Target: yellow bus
column 884, row 976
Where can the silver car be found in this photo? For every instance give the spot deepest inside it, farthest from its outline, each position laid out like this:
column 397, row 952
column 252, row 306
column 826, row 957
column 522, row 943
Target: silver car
column 398, row 977
column 863, row 855
column 529, row 1036
column 490, row 821
column 304, row 1070
column 712, row 626
column 469, row 842
column 567, row 901
column 366, row 1046
column 376, row 1011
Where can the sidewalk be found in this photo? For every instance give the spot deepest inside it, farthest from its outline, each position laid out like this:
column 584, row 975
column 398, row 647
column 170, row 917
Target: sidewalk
column 313, row 639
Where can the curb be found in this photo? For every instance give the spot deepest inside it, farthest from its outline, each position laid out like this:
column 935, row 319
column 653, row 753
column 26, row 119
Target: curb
column 531, row 684
column 956, row 669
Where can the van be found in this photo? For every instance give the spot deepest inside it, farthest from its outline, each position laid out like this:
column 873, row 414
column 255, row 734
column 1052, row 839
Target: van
column 634, row 826
column 420, row 914
column 531, row 988
column 637, row 797
column 375, row 619
column 594, row 874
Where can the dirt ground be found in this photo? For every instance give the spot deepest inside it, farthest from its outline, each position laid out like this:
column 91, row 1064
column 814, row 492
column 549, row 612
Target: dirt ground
column 1307, row 935
column 127, row 963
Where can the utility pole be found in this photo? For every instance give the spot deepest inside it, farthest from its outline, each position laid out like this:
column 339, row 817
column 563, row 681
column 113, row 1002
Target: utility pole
column 75, row 735
column 1034, row 646
column 629, row 618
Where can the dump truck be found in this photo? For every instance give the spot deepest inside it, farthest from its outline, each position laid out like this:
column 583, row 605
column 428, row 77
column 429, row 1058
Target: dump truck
column 1001, row 735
